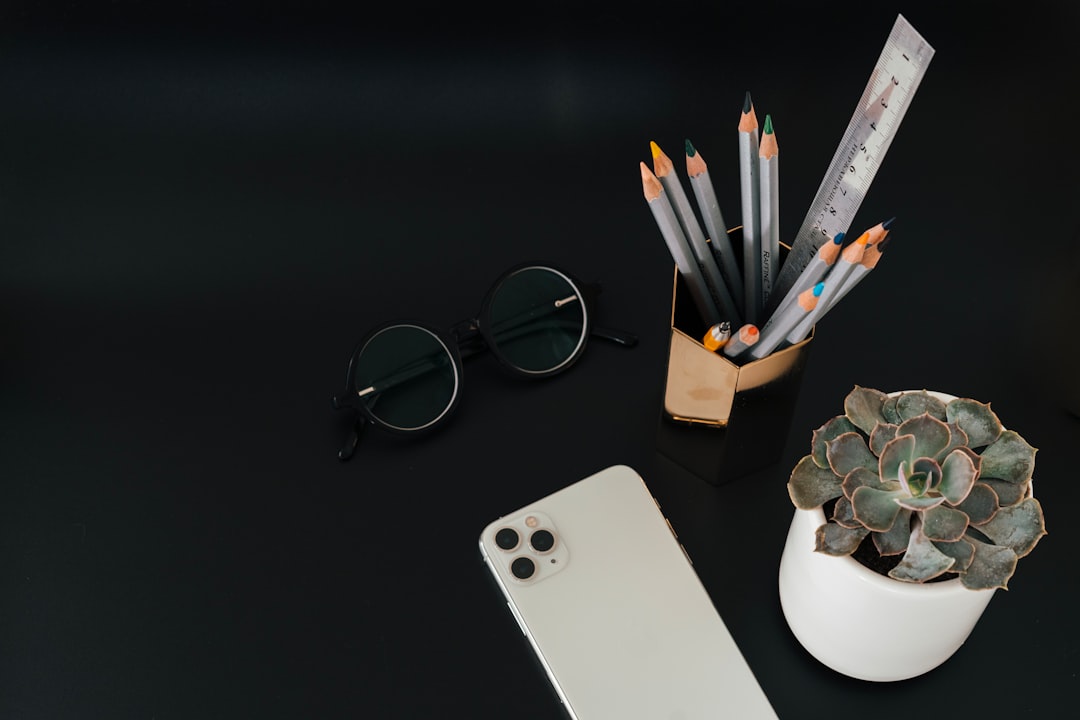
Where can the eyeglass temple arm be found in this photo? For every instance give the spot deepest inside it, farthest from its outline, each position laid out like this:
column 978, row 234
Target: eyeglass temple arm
column 590, row 291
column 352, row 440
column 616, row 336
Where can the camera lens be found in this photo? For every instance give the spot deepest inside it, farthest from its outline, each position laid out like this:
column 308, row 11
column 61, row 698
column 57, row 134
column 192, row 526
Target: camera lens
column 506, row 538
column 523, row 568
column 542, row 540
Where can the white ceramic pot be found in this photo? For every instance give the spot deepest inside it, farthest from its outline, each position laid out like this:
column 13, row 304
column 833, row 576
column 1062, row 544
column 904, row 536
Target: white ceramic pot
column 864, row 624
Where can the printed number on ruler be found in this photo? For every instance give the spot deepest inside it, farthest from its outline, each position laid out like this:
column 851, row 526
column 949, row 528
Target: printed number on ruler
column 873, row 126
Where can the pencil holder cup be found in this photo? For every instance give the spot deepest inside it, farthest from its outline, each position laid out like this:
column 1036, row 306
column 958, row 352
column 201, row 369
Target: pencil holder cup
column 722, row 420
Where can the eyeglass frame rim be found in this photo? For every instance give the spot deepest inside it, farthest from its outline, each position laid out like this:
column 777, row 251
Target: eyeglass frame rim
column 451, row 340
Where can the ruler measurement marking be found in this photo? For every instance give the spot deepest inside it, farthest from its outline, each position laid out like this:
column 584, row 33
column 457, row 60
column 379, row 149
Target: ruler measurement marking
column 866, row 139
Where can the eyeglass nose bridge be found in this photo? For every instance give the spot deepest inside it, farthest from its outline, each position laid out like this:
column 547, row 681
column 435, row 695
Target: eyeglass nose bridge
column 470, row 338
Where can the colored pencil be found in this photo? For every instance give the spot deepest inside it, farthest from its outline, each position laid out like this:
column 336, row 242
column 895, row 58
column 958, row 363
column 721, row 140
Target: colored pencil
column 823, row 260
column 678, row 246
column 701, row 182
column 834, row 280
column 789, row 317
column 769, row 199
column 664, row 169
column 869, row 261
column 751, row 210
column 741, row 341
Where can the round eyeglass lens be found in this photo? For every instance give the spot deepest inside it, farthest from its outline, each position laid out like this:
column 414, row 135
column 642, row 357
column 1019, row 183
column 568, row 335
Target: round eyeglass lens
column 537, row 320
column 406, row 377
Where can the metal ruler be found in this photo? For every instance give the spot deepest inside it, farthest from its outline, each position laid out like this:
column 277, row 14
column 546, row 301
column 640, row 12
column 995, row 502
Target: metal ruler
column 882, row 106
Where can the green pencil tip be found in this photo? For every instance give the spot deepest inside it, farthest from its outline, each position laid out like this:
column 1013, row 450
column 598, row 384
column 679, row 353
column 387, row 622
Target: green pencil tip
column 690, row 151
column 747, row 103
column 768, row 124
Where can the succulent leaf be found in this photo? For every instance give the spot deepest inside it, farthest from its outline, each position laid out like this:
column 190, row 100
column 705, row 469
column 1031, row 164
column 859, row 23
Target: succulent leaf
column 1009, row 458
column 958, row 475
column 991, row 566
column 930, row 468
column 829, row 431
column 913, row 404
column 888, row 409
column 882, row 435
column 862, row 406
column 833, row 539
column 900, row 450
column 894, row 540
column 957, row 438
column 876, row 509
column 1018, row 526
column 962, row 551
column 976, row 419
column 931, row 435
column 944, row 524
column 849, row 451
column 980, row 504
column 1007, row 492
column 913, row 483
column 861, row 476
column 843, row 514
column 811, row 486
column 919, row 504
column 922, row 561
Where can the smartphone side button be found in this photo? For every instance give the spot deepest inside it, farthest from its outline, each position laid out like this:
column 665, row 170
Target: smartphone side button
column 520, row 622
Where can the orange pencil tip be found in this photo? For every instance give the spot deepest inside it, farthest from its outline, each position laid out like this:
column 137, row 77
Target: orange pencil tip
column 655, row 149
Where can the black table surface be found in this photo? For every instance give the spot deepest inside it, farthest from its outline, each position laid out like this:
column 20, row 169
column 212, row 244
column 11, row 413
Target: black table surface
column 201, row 211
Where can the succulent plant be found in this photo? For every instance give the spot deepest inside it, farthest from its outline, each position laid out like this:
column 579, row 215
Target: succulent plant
column 942, row 484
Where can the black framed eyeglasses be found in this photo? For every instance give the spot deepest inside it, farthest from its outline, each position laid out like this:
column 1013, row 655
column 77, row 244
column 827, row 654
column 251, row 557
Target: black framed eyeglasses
column 405, row 377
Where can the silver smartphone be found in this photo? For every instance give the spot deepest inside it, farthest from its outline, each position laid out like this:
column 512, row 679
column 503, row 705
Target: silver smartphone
column 613, row 609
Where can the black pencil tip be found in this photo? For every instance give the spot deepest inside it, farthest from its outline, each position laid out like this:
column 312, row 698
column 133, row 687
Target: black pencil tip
column 885, row 225
column 747, row 103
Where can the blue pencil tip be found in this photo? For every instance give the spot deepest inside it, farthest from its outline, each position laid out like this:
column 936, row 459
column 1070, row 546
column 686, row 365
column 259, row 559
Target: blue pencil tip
column 838, row 238
column 818, row 288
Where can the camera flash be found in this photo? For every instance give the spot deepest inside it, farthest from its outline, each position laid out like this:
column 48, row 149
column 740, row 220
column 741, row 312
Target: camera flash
column 531, row 521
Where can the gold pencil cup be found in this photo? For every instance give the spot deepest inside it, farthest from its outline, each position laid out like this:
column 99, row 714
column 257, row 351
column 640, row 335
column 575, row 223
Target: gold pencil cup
column 722, row 420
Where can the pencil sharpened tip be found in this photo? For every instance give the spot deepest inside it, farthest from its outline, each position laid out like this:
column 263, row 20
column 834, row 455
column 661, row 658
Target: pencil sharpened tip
column 690, row 151
column 747, row 103
column 768, row 124
column 838, row 238
column 885, row 225
column 654, row 148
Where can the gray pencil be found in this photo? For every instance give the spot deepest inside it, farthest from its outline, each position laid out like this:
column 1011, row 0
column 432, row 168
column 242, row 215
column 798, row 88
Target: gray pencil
column 715, row 226
column 786, row 319
column 822, row 262
column 751, row 211
column 834, row 280
column 664, row 169
column 664, row 214
column 741, row 341
column 769, row 199
column 869, row 261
